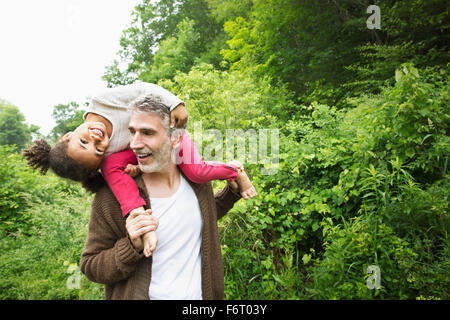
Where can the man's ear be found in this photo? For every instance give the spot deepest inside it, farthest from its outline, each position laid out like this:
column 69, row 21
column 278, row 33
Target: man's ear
column 175, row 139
column 175, row 143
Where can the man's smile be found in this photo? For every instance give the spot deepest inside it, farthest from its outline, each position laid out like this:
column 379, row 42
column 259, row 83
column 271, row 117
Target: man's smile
column 143, row 155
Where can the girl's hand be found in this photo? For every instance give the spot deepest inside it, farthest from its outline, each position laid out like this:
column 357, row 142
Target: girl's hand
column 180, row 115
column 150, row 240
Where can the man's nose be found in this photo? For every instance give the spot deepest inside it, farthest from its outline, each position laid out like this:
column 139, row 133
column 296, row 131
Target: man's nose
column 136, row 142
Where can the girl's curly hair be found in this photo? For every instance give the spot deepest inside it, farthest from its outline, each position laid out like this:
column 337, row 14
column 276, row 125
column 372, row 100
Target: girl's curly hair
column 41, row 156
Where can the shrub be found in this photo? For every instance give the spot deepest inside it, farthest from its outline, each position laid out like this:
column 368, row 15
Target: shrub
column 351, row 249
column 374, row 177
column 43, row 229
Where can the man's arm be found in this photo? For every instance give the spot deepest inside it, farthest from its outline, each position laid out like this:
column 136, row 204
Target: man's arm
column 226, row 198
column 107, row 258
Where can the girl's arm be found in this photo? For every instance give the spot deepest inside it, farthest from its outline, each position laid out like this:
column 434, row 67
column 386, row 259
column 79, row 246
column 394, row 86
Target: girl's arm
column 121, row 184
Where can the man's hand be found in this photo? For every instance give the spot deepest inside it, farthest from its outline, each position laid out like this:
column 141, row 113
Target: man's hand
column 179, row 114
column 233, row 185
column 138, row 223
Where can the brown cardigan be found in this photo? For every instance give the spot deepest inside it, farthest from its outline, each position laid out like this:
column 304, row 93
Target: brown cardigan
column 110, row 258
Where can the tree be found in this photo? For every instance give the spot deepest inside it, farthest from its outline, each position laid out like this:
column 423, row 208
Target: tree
column 67, row 117
column 174, row 54
column 13, row 129
column 152, row 24
column 318, row 46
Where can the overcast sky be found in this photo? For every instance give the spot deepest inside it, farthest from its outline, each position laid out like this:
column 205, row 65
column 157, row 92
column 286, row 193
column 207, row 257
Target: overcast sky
column 55, row 51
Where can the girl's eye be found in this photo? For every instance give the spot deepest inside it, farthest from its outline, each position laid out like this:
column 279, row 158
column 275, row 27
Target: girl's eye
column 83, row 141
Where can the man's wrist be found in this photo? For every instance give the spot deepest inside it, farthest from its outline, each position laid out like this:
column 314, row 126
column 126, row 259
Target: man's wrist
column 126, row 253
column 233, row 189
column 135, row 247
column 229, row 193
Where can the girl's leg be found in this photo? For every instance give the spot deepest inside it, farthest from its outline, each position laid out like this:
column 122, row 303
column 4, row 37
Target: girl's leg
column 200, row 171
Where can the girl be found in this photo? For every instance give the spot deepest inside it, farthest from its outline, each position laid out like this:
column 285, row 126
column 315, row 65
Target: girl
column 103, row 141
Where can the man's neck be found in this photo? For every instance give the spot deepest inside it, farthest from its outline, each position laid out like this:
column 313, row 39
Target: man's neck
column 164, row 183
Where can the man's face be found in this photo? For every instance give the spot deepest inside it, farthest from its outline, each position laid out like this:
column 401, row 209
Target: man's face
column 149, row 140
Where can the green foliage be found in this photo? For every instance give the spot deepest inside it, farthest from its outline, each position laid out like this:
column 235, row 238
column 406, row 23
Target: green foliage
column 353, row 247
column 226, row 10
column 343, row 200
column 394, row 168
column 411, row 123
column 224, row 100
column 18, row 190
column 283, row 39
column 21, row 188
column 174, row 54
column 67, row 117
column 156, row 26
column 321, row 46
column 251, row 271
column 13, row 129
column 43, row 229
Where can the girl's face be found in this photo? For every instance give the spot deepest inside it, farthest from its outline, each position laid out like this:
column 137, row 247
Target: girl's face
column 88, row 144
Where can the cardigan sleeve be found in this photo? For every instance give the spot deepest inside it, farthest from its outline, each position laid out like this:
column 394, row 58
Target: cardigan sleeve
column 225, row 200
column 107, row 258
column 121, row 184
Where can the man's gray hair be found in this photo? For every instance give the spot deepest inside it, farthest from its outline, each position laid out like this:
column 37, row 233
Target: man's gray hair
column 152, row 103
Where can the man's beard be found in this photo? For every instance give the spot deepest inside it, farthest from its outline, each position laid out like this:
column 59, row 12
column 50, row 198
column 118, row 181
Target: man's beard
column 160, row 158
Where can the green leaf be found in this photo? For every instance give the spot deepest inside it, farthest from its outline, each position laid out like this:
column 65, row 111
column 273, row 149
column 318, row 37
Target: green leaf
column 306, row 258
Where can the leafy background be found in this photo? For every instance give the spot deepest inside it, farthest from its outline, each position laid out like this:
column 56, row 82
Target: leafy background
column 363, row 120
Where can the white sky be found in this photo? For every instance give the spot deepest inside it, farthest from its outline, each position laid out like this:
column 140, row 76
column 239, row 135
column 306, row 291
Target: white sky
column 55, row 51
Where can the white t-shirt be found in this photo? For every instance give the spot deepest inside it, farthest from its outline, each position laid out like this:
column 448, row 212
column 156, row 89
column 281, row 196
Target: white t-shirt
column 112, row 103
column 176, row 266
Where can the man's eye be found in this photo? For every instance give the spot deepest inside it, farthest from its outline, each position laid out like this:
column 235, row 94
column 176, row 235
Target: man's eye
column 83, row 141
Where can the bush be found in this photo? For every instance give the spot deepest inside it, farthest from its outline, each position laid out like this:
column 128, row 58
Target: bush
column 44, row 225
column 355, row 187
column 21, row 189
column 351, row 249
column 42, row 264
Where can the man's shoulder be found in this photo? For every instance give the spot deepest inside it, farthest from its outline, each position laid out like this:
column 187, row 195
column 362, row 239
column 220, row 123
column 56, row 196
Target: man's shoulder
column 197, row 187
column 105, row 198
column 203, row 191
column 103, row 192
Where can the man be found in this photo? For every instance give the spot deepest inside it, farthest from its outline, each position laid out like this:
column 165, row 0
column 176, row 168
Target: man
column 187, row 263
